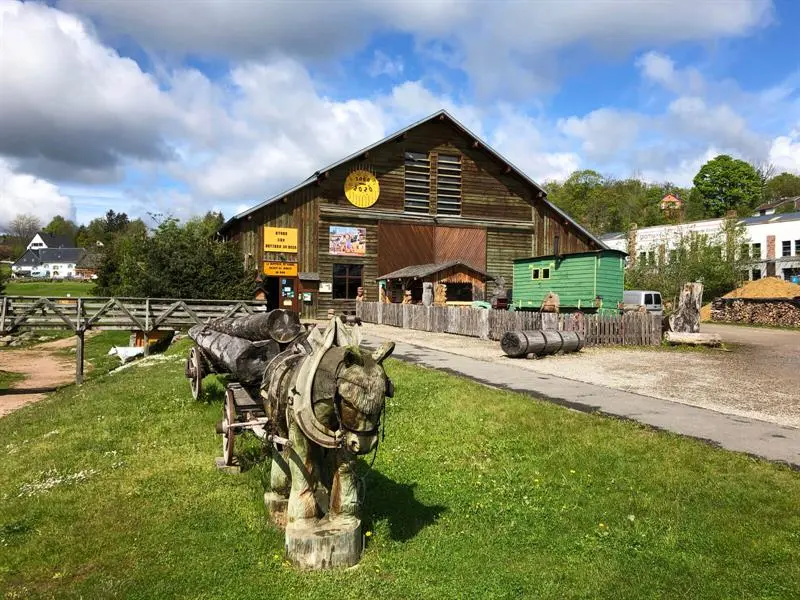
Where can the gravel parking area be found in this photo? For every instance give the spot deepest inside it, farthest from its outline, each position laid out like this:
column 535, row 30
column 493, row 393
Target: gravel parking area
column 757, row 377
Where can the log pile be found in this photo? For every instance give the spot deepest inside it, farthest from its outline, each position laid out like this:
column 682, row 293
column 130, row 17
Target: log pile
column 783, row 312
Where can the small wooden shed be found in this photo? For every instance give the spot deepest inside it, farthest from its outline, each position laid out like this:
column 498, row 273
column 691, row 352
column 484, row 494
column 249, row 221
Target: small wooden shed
column 588, row 281
column 464, row 283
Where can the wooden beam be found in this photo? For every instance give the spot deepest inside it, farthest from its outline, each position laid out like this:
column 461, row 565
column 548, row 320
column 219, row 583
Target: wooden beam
column 476, row 144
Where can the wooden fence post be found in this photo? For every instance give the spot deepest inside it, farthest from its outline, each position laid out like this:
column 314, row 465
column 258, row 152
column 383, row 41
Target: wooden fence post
column 79, row 356
column 483, row 324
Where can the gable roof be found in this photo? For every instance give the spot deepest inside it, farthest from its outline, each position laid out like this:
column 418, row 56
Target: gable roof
column 29, row 259
column 61, row 255
column 429, row 269
column 440, row 113
column 56, row 241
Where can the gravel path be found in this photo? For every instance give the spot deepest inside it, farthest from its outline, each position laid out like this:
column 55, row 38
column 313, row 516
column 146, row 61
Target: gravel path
column 744, row 381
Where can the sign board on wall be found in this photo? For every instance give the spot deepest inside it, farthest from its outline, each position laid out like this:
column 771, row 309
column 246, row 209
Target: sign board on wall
column 361, row 188
column 280, row 239
column 280, row 269
column 326, row 288
column 347, row 241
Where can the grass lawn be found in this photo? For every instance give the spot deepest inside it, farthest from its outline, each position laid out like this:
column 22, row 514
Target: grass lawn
column 110, row 491
column 49, row 288
column 7, row 378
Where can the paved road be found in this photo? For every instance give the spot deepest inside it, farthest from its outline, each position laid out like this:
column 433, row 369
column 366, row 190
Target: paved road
column 758, row 438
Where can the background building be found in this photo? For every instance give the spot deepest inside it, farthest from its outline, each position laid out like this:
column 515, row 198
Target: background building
column 774, row 242
column 426, row 195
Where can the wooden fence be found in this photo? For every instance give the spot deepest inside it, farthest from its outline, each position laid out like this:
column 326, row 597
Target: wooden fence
column 135, row 314
column 628, row 329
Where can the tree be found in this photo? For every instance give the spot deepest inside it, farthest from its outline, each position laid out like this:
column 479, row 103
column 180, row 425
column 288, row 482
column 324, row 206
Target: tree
column 785, row 185
column 716, row 261
column 63, row 227
column 176, row 261
column 21, row 230
column 725, row 183
column 3, row 278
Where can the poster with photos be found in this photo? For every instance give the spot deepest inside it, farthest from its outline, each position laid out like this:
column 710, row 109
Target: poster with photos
column 347, row 241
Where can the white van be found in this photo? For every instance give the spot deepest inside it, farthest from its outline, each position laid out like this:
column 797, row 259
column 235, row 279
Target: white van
column 650, row 299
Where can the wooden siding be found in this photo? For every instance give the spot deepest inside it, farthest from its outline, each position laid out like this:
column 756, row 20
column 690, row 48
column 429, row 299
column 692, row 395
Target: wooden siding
column 502, row 247
column 404, row 245
column 576, row 279
column 370, row 273
column 461, row 243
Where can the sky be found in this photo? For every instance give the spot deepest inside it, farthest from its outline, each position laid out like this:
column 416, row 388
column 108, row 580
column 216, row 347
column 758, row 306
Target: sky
column 177, row 108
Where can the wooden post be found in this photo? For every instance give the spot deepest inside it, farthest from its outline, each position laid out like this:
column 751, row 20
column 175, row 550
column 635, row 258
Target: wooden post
column 3, row 314
column 79, row 356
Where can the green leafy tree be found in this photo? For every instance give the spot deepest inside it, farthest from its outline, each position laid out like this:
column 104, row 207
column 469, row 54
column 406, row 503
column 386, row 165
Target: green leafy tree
column 716, row 261
column 4, row 275
column 725, row 183
column 63, row 227
column 175, row 261
column 785, row 185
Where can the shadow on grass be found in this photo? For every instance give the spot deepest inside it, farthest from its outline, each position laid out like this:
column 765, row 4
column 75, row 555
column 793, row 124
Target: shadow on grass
column 395, row 502
column 29, row 390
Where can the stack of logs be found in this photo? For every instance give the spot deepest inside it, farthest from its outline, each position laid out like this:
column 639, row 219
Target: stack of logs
column 761, row 311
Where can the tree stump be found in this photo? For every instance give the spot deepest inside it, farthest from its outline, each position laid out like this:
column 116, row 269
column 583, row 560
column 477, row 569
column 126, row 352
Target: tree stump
column 686, row 318
column 324, row 544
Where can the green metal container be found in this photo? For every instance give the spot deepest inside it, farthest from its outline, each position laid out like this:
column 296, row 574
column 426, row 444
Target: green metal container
column 587, row 281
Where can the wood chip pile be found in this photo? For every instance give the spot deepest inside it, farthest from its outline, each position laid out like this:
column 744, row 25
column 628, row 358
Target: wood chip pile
column 768, row 301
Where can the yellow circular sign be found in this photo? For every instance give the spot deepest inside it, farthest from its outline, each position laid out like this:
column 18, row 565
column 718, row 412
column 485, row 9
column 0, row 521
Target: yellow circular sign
column 362, row 189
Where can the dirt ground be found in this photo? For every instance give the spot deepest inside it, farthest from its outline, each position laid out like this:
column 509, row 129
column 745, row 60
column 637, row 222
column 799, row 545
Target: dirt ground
column 44, row 371
column 757, row 377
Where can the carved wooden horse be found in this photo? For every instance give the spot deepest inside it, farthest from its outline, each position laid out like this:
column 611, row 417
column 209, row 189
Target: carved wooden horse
column 326, row 396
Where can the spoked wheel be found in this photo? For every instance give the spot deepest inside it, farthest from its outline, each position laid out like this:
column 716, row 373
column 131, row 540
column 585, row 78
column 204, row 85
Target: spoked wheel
column 228, row 433
column 194, row 371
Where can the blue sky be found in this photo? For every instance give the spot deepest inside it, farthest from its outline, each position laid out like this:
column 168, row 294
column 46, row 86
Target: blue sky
column 183, row 107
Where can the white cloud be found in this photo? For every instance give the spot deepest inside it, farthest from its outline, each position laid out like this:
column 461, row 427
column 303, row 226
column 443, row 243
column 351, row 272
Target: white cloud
column 504, row 46
column 679, row 172
column 382, row 64
column 70, row 106
column 784, row 152
column 604, row 132
column 22, row 193
column 660, row 68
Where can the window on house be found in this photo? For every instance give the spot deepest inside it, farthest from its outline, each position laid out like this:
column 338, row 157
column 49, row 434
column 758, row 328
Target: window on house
column 545, row 273
column 756, row 274
column 459, row 292
column 797, row 247
column 643, row 257
column 535, row 273
column 417, row 183
column 346, row 281
column 786, row 247
column 757, row 251
column 448, row 184
column 651, row 258
column 745, row 251
column 673, row 256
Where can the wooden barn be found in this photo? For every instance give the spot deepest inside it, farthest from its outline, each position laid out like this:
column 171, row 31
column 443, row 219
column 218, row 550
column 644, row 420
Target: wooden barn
column 430, row 194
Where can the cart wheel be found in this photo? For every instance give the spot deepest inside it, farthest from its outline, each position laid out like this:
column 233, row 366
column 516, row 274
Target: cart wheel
column 196, row 374
column 228, row 434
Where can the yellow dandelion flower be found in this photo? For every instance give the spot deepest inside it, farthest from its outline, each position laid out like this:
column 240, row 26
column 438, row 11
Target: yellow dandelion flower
column 368, row 534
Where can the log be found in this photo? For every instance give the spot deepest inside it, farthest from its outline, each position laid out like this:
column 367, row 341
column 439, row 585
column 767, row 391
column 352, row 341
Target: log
column 517, row 344
column 243, row 359
column 676, row 338
column 686, row 318
column 427, row 293
column 280, row 325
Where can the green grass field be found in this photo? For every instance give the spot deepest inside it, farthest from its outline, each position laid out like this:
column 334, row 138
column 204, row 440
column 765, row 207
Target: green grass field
column 49, row 288
column 110, row 491
column 7, row 378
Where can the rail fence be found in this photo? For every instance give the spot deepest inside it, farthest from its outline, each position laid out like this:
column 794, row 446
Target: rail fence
column 627, row 329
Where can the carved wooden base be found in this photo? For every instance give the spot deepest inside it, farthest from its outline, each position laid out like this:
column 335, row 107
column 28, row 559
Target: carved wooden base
column 325, row 544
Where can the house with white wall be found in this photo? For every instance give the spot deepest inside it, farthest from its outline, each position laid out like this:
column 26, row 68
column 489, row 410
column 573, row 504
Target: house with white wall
column 50, row 263
column 773, row 242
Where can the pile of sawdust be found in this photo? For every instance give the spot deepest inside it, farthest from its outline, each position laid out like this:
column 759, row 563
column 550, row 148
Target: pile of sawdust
column 769, row 287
